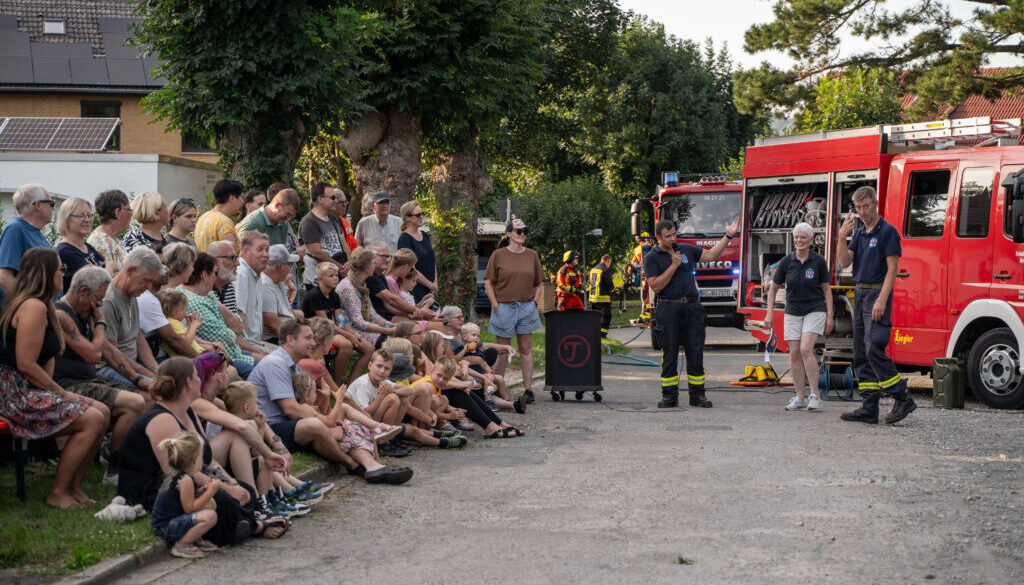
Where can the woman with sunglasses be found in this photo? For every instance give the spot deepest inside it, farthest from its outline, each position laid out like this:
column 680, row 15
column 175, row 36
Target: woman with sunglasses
column 34, row 404
column 183, row 215
column 512, row 281
column 413, row 238
column 74, row 224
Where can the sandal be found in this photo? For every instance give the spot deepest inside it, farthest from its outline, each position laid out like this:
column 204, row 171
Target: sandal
column 269, row 523
column 505, row 433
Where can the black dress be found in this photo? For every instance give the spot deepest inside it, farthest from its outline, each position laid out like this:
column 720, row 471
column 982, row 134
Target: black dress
column 141, row 476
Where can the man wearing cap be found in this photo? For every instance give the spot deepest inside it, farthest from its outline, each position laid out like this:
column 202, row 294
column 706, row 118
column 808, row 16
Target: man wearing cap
column 278, row 291
column 679, row 316
column 569, row 283
column 381, row 226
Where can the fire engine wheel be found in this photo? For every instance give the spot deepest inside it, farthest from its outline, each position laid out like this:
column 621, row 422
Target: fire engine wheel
column 993, row 370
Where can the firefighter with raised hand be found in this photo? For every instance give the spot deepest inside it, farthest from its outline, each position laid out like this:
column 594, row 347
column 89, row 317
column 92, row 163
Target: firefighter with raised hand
column 601, row 285
column 569, row 284
column 875, row 253
column 678, row 312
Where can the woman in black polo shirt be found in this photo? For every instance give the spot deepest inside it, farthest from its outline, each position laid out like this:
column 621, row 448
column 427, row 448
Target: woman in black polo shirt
column 808, row 313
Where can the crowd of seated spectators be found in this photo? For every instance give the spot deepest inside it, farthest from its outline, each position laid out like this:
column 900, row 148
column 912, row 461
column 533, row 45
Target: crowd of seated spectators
column 197, row 354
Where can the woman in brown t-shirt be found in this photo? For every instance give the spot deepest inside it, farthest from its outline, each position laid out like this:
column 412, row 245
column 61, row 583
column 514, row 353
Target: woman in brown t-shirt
column 513, row 281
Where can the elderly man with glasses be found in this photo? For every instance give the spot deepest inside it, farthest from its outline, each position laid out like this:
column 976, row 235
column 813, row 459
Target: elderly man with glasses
column 35, row 209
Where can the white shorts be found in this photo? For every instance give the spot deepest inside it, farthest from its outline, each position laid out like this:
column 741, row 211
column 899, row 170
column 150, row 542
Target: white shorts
column 794, row 327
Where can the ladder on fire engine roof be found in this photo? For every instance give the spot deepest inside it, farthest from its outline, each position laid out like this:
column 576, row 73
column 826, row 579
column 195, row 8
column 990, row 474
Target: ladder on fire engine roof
column 939, row 133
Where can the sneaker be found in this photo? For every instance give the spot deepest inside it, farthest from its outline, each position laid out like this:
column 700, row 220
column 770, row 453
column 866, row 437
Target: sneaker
column 299, row 495
column 445, row 433
column 384, row 433
column 186, row 551
column 205, row 545
column 447, row 427
column 453, row 442
column 464, row 425
column 490, row 404
column 530, row 398
column 320, row 488
column 110, row 479
column 285, row 509
column 263, row 508
column 519, row 405
column 813, row 402
column 796, row 403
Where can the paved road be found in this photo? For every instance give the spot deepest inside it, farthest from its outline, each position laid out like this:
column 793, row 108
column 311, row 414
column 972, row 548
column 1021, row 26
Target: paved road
column 620, row 492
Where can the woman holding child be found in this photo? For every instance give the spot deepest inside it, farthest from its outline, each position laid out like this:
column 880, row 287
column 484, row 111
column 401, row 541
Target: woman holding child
column 144, row 465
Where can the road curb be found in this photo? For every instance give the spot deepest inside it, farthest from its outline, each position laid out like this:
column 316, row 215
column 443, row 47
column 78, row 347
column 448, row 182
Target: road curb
column 117, row 567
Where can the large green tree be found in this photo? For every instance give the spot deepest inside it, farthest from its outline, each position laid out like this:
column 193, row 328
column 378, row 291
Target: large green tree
column 855, row 98
column 258, row 76
column 940, row 56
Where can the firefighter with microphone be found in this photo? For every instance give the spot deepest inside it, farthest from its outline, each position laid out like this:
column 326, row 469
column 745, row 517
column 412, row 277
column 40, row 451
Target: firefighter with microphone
column 679, row 315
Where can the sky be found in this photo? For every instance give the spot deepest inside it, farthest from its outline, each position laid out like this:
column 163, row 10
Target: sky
column 725, row 21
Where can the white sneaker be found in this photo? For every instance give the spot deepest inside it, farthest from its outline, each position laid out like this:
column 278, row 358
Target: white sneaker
column 110, row 479
column 813, row 403
column 796, row 403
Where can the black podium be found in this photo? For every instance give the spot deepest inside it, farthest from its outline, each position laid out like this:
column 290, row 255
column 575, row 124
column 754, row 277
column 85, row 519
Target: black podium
column 573, row 353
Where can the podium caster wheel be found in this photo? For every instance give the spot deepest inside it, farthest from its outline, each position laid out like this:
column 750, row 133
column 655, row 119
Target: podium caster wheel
column 561, row 395
column 555, row 397
column 579, row 396
column 597, row 397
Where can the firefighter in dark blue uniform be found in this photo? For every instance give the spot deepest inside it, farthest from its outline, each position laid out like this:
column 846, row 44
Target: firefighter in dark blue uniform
column 875, row 253
column 678, row 313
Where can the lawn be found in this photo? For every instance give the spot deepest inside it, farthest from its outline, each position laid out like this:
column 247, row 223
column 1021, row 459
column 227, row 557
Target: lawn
column 38, row 538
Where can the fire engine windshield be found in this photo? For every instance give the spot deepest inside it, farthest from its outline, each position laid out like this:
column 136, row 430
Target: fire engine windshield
column 701, row 214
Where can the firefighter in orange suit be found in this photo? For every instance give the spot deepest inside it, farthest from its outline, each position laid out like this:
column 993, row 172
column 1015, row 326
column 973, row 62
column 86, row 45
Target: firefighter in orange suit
column 569, row 284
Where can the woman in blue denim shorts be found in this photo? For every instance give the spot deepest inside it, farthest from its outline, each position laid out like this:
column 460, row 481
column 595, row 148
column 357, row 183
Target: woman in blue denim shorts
column 513, row 281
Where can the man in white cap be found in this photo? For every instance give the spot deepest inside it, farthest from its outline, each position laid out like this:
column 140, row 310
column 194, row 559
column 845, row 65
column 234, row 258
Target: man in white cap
column 381, row 226
column 278, row 291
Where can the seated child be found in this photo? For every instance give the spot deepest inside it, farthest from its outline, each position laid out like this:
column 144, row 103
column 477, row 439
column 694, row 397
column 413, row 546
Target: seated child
column 379, row 398
column 492, row 383
column 181, row 515
column 240, row 400
column 175, row 307
column 323, row 301
column 404, row 373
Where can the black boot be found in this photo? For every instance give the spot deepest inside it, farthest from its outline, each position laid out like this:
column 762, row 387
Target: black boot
column 697, row 398
column 903, row 406
column 669, row 400
column 529, row 396
column 867, row 413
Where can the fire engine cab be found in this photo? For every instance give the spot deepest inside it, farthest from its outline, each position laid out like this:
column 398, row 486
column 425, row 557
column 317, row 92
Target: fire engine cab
column 700, row 208
column 959, row 289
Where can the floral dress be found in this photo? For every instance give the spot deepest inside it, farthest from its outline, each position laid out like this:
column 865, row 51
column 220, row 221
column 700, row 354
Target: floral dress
column 109, row 247
column 352, row 307
column 33, row 413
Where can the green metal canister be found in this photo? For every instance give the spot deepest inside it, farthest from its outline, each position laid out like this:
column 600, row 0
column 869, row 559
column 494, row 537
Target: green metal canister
column 948, row 383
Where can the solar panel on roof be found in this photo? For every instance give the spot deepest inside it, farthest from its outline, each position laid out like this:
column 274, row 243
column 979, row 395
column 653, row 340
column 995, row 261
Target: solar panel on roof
column 79, row 134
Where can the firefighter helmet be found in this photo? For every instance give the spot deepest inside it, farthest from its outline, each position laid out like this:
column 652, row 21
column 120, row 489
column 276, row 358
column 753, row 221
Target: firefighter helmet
column 569, row 256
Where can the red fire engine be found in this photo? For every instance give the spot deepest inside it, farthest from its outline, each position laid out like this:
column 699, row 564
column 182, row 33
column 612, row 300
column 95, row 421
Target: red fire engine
column 701, row 209
column 960, row 213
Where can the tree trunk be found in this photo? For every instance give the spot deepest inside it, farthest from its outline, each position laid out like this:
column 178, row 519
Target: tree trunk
column 384, row 148
column 248, row 158
column 459, row 178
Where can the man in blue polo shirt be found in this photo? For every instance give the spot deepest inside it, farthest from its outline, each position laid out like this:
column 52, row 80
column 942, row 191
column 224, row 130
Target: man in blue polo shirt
column 35, row 209
column 679, row 315
column 875, row 253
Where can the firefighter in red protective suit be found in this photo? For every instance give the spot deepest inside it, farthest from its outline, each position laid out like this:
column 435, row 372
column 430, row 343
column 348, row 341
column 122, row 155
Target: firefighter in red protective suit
column 569, row 284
